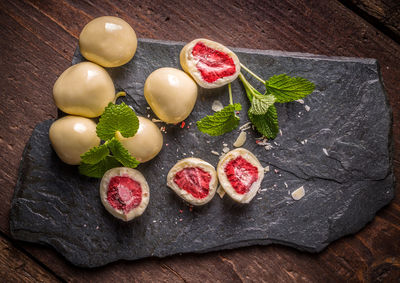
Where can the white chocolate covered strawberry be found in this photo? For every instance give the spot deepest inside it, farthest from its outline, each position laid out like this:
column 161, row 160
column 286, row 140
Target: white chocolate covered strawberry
column 194, row 180
column 210, row 63
column 124, row 192
column 240, row 174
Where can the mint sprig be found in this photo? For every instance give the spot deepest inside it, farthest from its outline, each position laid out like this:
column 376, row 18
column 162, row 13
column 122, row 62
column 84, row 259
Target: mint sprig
column 117, row 117
column 122, row 154
column 266, row 124
column 261, row 103
column 95, row 154
column 97, row 170
column 279, row 88
column 96, row 161
column 221, row 122
column 287, row 89
column 262, row 112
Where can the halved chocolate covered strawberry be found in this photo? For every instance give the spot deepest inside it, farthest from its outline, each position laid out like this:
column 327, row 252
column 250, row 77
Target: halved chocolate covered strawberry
column 210, row 63
column 240, row 174
column 194, row 180
column 124, row 192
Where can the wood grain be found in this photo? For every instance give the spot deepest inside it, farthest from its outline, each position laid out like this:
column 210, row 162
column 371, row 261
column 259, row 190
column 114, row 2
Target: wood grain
column 384, row 14
column 39, row 38
column 16, row 266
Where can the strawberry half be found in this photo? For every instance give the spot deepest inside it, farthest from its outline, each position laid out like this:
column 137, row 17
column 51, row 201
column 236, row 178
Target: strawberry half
column 210, row 63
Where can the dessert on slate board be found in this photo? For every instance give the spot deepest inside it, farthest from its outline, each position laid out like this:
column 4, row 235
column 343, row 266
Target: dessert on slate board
column 121, row 140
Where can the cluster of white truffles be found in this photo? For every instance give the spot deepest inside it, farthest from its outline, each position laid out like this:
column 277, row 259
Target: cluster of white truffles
column 85, row 89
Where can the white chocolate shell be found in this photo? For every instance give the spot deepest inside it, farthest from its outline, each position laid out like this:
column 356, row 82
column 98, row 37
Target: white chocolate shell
column 146, row 143
column 196, row 163
column 171, row 94
column 134, row 175
column 189, row 63
column 108, row 41
column 84, row 89
column 71, row 136
column 225, row 183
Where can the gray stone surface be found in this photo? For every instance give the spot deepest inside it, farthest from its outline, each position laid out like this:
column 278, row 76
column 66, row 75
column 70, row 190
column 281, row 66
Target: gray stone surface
column 349, row 116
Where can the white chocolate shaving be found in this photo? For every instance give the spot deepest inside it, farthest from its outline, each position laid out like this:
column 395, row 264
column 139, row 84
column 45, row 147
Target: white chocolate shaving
column 217, row 106
column 214, row 152
column 268, row 146
column 241, row 139
column 245, row 126
column 299, row 193
column 220, row 191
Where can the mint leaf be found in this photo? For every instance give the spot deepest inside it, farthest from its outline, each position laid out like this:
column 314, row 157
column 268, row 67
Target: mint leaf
column 261, row 103
column 287, row 89
column 122, row 154
column 221, row 122
column 266, row 124
column 95, row 154
column 117, row 117
column 97, row 170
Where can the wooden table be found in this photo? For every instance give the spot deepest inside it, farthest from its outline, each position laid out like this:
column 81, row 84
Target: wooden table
column 38, row 39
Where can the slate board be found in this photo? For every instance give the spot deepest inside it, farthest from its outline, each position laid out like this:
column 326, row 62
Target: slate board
column 349, row 116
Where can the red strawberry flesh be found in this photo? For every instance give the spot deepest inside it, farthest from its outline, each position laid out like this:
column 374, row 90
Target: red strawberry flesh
column 124, row 193
column 241, row 174
column 194, row 180
column 212, row 64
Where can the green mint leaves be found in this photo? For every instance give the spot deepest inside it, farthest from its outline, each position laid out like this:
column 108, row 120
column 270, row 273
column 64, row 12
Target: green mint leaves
column 261, row 103
column 95, row 154
column 262, row 112
column 117, row 118
column 279, row 88
column 221, row 122
column 287, row 89
column 96, row 161
column 97, row 170
column 122, row 154
column 266, row 124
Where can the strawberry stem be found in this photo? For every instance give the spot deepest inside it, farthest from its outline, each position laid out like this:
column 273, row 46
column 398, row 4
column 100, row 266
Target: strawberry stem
column 251, row 73
column 230, row 94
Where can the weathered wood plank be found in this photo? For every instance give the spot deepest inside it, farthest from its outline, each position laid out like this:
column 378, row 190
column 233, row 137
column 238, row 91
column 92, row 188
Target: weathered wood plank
column 16, row 266
column 39, row 39
column 383, row 14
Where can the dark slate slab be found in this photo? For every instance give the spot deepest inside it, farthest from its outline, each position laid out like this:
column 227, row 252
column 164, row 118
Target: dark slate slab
column 349, row 117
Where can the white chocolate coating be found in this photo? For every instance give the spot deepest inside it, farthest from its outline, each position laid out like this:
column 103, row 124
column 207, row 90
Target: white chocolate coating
column 189, row 62
column 146, row 143
column 84, row 89
column 171, row 94
column 134, row 175
column 108, row 41
column 72, row 136
column 193, row 162
column 233, row 154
